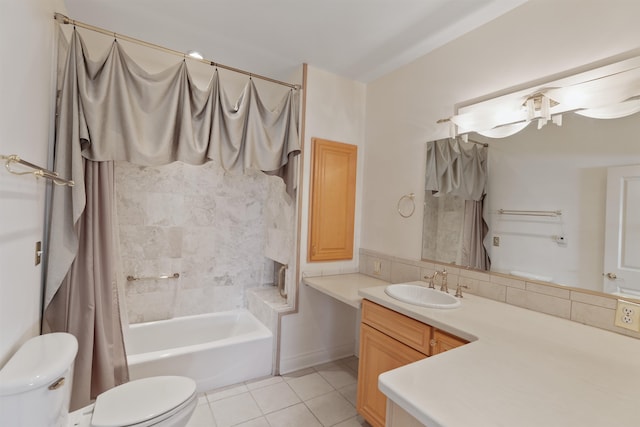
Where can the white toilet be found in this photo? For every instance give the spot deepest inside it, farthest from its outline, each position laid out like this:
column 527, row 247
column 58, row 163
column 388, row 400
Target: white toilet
column 35, row 390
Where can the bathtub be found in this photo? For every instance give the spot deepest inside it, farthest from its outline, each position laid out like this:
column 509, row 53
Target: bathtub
column 215, row 349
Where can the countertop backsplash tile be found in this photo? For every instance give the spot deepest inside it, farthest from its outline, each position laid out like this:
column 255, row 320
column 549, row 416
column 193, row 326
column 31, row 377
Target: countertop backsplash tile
column 597, row 310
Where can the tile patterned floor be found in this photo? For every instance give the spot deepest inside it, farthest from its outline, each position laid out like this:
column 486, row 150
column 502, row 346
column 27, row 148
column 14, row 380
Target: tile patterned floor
column 323, row 396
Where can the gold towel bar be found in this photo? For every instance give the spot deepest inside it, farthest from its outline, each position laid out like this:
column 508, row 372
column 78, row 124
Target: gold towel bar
column 37, row 170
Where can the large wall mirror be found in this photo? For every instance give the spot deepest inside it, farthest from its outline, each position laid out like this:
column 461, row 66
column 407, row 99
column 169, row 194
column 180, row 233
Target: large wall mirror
column 557, row 168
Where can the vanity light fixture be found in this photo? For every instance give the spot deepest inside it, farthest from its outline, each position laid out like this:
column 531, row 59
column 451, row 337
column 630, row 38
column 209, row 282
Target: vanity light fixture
column 607, row 92
column 539, row 105
column 538, row 102
column 195, row 54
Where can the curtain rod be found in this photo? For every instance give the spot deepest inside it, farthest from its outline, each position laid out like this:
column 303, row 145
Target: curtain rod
column 63, row 19
column 484, row 144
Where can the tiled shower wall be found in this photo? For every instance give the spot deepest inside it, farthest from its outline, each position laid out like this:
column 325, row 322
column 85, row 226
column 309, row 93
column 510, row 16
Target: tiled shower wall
column 201, row 222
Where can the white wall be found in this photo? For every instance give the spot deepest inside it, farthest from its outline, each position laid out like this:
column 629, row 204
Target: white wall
column 324, row 328
column 26, row 48
column 335, row 111
column 538, row 39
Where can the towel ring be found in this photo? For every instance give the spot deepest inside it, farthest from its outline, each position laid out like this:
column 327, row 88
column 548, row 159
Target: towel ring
column 409, row 209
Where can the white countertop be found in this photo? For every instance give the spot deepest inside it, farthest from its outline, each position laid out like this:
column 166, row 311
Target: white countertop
column 521, row 369
column 343, row 287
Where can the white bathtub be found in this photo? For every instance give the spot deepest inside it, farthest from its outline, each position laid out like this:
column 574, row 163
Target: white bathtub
column 215, row 349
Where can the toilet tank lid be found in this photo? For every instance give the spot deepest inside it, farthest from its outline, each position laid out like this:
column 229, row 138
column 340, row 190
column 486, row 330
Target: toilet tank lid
column 40, row 361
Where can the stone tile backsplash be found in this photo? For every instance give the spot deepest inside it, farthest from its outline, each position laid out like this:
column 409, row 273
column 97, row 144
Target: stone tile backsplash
column 597, row 310
column 208, row 225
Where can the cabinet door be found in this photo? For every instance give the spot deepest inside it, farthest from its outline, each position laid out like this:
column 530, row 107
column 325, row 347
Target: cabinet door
column 333, row 200
column 378, row 353
column 443, row 342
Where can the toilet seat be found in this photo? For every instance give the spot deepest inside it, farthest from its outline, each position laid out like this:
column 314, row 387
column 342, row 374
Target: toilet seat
column 143, row 402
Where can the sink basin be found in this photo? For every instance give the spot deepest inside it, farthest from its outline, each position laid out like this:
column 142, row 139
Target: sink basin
column 422, row 296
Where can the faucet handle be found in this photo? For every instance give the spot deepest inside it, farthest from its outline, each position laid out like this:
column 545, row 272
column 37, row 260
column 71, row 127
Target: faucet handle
column 430, row 280
column 459, row 290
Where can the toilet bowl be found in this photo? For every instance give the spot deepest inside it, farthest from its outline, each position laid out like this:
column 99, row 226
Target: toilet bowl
column 35, row 390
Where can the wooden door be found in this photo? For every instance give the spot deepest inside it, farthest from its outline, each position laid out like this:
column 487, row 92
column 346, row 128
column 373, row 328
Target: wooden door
column 378, row 354
column 333, row 200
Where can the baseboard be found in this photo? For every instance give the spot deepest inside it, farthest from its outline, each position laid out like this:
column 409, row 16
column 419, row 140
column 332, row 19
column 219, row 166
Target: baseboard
column 314, row 358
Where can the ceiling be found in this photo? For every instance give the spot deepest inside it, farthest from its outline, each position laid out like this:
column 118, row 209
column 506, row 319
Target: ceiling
column 357, row 39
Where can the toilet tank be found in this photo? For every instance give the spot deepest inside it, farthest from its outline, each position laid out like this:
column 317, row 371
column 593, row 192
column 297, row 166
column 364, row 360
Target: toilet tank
column 35, row 384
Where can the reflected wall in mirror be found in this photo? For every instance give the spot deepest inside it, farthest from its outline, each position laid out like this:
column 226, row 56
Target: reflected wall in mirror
column 555, row 168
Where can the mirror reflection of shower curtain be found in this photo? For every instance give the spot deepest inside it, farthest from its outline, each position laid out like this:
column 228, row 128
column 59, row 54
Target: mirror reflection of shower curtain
column 475, row 229
column 454, row 231
column 453, row 170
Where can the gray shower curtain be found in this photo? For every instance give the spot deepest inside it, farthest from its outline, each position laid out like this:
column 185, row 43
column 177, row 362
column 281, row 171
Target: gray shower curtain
column 86, row 305
column 453, row 170
column 110, row 110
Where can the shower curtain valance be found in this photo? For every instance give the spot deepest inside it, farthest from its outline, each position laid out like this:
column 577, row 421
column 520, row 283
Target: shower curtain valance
column 112, row 109
column 153, row 119
column 456, row 171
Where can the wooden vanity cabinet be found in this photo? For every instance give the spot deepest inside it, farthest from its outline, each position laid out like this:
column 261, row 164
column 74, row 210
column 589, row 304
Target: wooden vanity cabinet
column 379, row 353
column 388, row 340
column 443, row 341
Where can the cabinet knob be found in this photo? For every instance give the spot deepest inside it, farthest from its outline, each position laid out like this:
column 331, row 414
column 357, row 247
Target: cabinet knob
column 433, row 343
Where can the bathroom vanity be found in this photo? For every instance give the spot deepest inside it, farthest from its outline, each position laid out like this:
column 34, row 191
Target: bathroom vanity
column 519, row 368
column 505, row 365
column 389, row 340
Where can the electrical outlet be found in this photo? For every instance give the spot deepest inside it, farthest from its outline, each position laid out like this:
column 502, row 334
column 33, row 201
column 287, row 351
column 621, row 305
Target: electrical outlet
column 628, row 315
column 377, row 267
